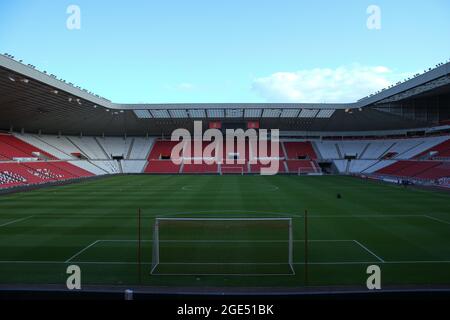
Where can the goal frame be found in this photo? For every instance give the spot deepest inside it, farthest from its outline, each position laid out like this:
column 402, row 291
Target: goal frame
column 235, row 173
column 304, row 171
column 156, row 242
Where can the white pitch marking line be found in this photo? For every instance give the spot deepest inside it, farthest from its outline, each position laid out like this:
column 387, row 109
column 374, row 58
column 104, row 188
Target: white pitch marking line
column 226, row 241
column 226, row 274
column 82, row 250
column 196, row 189
column 14, row 221
column 295, row 263
column 437, row 219
column 369, row 251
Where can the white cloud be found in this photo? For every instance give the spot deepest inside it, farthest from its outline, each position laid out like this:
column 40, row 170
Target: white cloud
column 185, row 86
column 343, row 84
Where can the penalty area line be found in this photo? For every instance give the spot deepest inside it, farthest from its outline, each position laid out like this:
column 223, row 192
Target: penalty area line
column 368, row 250
column 437, row 219
column 82, row 250
column 295, row 263
column 15, row 221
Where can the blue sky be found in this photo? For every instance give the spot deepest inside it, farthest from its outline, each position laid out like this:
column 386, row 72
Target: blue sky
column 202, row 51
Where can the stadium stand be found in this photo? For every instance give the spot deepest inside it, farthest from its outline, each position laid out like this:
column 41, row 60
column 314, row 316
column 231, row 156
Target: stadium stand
column 376, row 149
column 328, row 149
column 353, row 148
column 24, row 163
column 50, row 147
column 302, row 166
column 427, row 170
column 133, row 166
column 46, row 158
column 440, row 151
column 115, row 146
column 89, row 147
column 162, row 150
column 8, row 179
column 89, row 166
column 12, row 148
column 299, row 150
column 440, row 171
column 159, row 159
column 110, row 166
column 200, row 168
column 140, row 148
column 162, row 166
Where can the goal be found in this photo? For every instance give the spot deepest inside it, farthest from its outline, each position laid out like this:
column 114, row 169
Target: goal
column 222, row 246
column 304, row 171
column 301, row 171
column 232, row 170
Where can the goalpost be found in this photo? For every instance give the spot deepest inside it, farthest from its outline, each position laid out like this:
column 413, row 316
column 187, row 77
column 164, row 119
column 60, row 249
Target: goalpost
column 222, row 246
column 232, row 170
column 307, row 171
column 301, row 171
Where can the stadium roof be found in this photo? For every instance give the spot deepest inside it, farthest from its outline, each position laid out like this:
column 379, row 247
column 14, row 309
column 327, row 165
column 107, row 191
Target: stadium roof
column 33, row 101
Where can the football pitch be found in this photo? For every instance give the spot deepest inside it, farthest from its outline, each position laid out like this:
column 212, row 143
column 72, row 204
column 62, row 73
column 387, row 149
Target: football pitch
column 226, row 231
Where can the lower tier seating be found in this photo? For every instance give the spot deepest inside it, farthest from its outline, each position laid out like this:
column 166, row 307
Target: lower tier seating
column 162, row 166
column 21, row 173
column 200, row 168
column 425, row 170
column 302, row 166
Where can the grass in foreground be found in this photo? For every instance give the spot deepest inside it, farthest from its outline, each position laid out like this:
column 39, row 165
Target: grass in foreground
column 94, row 224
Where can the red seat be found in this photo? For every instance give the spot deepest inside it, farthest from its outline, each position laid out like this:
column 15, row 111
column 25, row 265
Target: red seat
column 200, row 168
column 162, row 166
column 300, row 150
column 11, row 147
column 302, row 166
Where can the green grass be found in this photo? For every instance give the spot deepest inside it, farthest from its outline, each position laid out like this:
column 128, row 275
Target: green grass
column 404, row 231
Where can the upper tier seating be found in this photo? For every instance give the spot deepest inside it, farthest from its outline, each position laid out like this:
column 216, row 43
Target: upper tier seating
column 353, row 148
column 50, row 145
column 234, row 155
column 376, row 149
column 328, row 150
column 141, row 148
column 160, row 158
column 12, row 148
column 403, row 149
column 439, row 151
column 115, row 146
column 89, row 147
column 300, row 150
column 162, row 150
column 64, row 147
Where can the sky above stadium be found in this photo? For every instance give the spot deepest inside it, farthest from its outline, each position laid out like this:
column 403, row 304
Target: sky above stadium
column 249, row 51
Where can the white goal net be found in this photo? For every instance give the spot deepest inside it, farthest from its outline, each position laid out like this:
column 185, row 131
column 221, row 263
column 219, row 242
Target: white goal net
column 222, row 246
column 231, row 170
